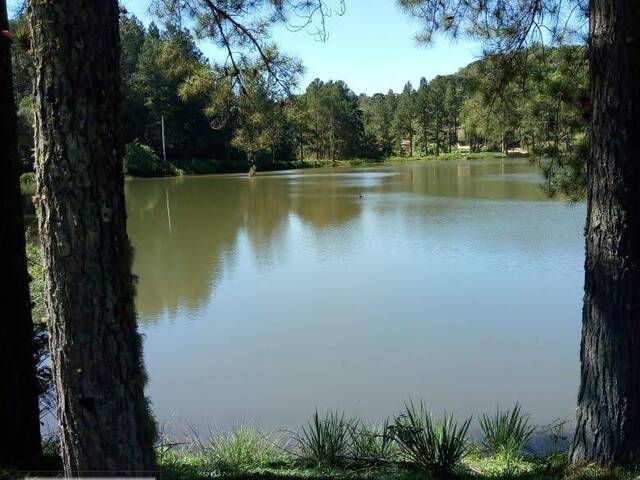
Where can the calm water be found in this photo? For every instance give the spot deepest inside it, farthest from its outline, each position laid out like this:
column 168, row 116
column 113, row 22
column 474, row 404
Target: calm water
column 262, row 298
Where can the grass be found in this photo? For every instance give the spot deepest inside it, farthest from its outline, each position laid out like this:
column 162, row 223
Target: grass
column 506, row 432
column 413, row 445
column 386, row 451
column 435, row 445
column 326, row 440
column 474, row 466
column 374, row 444
column 243, row 446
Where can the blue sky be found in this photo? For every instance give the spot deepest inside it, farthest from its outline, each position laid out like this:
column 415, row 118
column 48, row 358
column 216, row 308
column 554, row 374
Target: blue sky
column 371, row 47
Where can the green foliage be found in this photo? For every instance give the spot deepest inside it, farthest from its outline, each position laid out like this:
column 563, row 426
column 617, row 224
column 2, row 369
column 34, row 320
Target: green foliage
column 404, row 116
column 242, row 446
column 39, row 316
column 437, row 446
column 36, row 286
column 377, row 114
column 27, row 179
column 507, row 432
column 140, row 160
column 219, row 118
column 333, row 120
column 326, row 440
column 372, row 444
column 263, row 129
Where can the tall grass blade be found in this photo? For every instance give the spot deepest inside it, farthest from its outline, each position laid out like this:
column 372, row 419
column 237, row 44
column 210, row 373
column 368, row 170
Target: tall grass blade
column 437, row 446
column 507, row 432
column 326, row 440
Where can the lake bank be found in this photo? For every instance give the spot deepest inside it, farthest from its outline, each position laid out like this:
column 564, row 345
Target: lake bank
column 193, row 467
column 208, row 167
column 186, row 167
column 172, row 466
column 247, row 453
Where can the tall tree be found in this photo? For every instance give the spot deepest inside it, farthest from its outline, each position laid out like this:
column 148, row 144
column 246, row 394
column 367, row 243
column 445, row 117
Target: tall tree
column 262, row 125
column 378, row 120
column 336, row 119
column 105, row 424
column 404, row 116
column 608, row 431
column 436, row 100
column 20, row 439
column 423, row 113
column 133, row 111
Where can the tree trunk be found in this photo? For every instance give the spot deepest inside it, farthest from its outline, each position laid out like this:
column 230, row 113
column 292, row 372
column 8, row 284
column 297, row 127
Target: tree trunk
column 105, row 424
column 19, row 417
column 608, row 416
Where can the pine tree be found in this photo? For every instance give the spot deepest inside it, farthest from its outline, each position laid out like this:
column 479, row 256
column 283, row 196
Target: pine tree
column 105, row 424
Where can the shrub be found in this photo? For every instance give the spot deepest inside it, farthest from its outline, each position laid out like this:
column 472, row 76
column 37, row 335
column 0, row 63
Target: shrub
column 507, row 432
column 326, row 440
column 28, row 178
column 141, row 161
column 434, row 445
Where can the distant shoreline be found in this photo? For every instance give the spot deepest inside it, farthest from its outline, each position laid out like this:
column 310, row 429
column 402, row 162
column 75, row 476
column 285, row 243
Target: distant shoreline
column 218, row 169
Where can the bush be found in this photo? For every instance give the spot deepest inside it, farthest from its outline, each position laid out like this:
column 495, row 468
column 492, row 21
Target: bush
column 326, row 440
column 507, row 432
column 434, row 445
column 28, row 178
column 141, row 161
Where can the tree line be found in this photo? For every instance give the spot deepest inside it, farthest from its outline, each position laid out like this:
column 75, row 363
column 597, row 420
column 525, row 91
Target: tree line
column 167, row 86
column 97, row 363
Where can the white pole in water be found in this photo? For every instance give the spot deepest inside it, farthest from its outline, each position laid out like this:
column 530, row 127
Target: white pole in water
column 164, row 148
column 166, row 194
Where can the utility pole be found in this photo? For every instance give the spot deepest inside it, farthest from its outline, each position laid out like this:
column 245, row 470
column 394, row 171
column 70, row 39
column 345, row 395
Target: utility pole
column 332, row 156
column 164, row 148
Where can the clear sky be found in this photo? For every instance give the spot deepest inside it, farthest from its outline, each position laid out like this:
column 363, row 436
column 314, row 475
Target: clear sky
column 371, row 47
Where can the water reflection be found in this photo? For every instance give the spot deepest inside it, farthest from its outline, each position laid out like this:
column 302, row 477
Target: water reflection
column 185, row 230
column 269, row 296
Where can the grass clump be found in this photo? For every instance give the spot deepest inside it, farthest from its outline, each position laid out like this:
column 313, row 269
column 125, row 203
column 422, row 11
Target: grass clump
column 437, row 446
column 507, row 432
column 373, row 444
column 242, row 447
column 326, row 440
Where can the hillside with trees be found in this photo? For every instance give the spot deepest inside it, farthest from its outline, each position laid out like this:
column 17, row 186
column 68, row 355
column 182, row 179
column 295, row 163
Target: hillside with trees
column 212, row 126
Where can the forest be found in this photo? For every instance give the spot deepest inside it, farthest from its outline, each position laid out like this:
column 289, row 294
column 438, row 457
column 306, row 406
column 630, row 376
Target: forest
column 536, row 104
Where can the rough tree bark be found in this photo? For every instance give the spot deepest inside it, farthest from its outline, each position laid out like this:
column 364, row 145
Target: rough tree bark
column 608, row 416
column 19, row 416
column 105, row 423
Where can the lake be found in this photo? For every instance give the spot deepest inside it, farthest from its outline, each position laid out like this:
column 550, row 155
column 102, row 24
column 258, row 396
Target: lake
column 263, row 298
